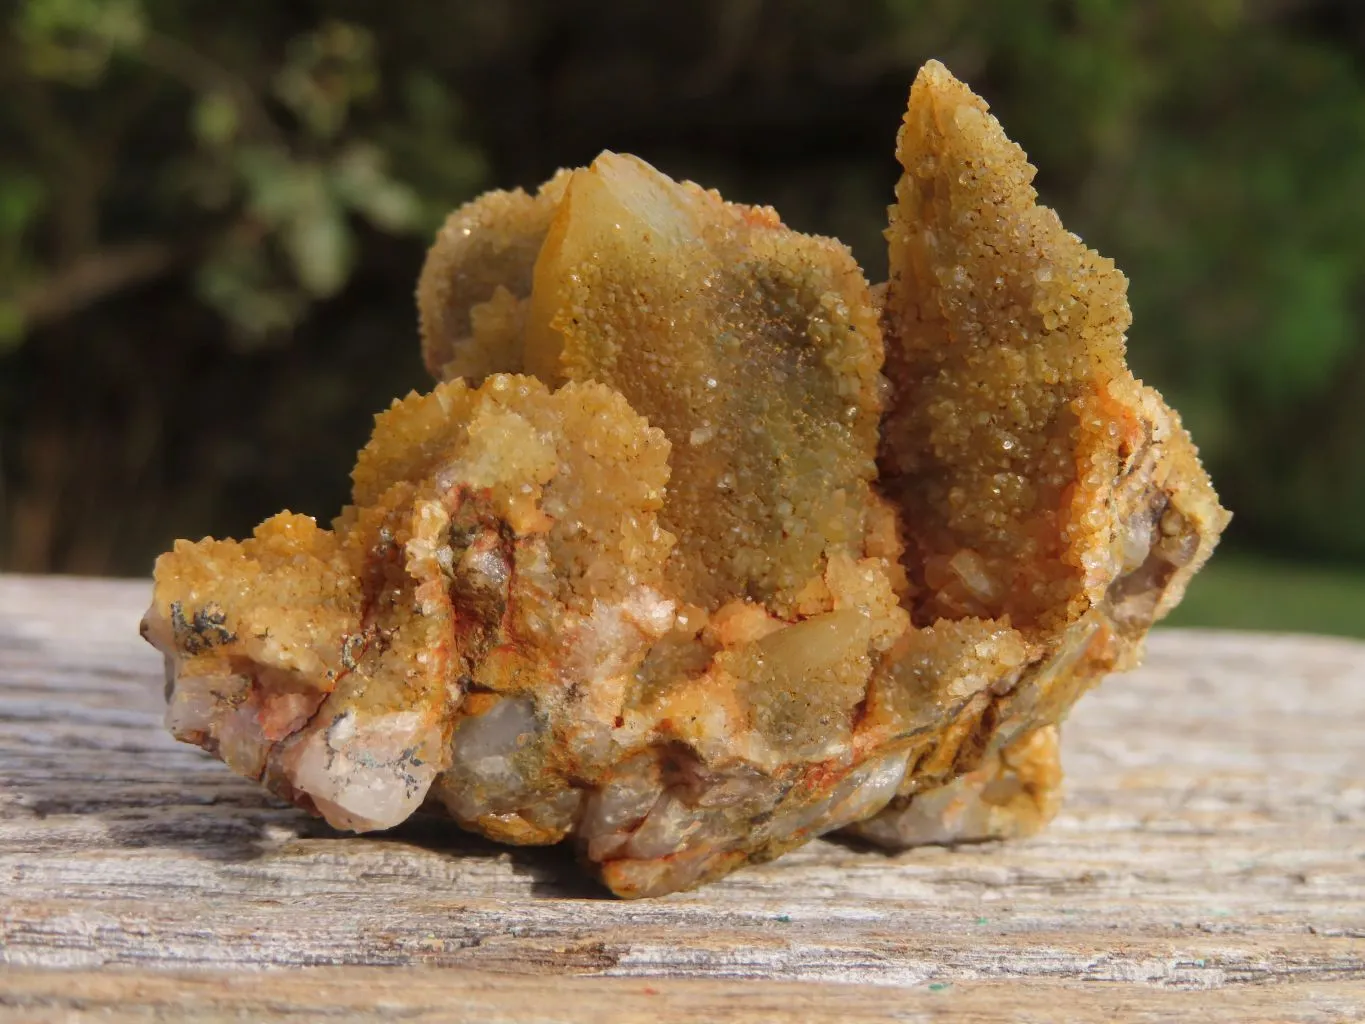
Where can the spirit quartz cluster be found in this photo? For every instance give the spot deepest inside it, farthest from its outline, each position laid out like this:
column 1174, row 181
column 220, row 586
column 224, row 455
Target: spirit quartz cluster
column 702, row 547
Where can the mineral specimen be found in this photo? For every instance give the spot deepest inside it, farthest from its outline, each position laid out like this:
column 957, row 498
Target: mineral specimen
column 702, row 547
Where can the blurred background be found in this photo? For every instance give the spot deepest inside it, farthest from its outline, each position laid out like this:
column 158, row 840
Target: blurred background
column 212, row 217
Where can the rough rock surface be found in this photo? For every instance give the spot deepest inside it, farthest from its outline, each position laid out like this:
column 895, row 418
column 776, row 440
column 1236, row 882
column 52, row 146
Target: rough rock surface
column 666, row 566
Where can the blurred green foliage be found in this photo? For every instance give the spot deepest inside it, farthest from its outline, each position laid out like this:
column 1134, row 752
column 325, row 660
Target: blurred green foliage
column 274, row 152
column 212, row 215
column 1238, row 591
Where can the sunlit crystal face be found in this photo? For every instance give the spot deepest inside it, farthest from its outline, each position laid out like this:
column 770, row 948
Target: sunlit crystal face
column 700, row 550
column 754, row 348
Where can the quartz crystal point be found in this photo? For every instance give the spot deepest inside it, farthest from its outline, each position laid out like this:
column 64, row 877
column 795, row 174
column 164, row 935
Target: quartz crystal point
column 1039, row 486
column 702, row 547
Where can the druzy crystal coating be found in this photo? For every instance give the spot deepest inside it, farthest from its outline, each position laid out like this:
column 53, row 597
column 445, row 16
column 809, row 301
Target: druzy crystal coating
column 702, row 547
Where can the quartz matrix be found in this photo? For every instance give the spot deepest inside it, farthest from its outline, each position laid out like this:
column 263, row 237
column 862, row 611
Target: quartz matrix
column 701, row 546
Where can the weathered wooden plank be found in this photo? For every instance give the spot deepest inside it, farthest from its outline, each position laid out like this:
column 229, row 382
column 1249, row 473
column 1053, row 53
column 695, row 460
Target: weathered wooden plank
column 1210, row 863
column 431, row 995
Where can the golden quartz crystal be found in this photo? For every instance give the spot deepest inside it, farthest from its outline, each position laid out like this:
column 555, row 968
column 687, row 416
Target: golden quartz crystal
column 702, row 548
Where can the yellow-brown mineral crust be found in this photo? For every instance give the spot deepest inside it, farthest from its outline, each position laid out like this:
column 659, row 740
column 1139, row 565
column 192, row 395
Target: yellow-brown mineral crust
column 667, row 567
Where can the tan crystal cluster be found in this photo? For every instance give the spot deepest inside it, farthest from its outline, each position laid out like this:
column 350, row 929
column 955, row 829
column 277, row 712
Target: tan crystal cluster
column 702, row 547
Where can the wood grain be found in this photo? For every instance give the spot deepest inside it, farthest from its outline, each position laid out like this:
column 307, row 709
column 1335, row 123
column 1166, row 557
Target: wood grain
column 1209, row 865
